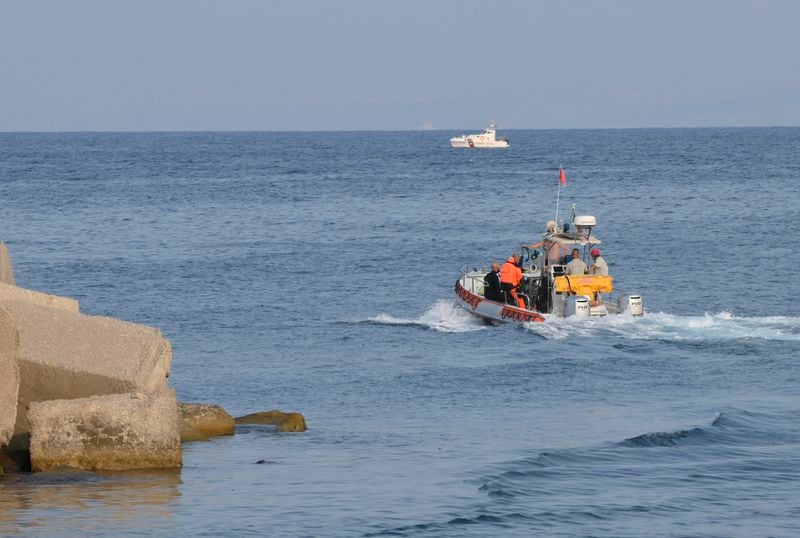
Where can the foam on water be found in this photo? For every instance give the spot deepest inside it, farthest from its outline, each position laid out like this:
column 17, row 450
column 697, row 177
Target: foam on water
column 444, row 316
column 663, row 326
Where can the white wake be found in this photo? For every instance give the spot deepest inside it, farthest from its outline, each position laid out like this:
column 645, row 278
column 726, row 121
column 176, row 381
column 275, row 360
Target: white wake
column 447, row 317
column 444, row 316
column 661, row 326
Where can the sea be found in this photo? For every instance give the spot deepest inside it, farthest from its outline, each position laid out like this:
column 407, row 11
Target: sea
column 314, row 272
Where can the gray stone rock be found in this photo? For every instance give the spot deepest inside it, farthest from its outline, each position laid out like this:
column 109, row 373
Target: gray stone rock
column 9, row 292
column 113, row 432
column 9, row 376
column 6, row 270
column 64, row 355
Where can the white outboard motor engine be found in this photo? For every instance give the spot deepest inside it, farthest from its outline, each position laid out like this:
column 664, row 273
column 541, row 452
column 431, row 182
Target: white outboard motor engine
column 632, row 304
column 578, row 306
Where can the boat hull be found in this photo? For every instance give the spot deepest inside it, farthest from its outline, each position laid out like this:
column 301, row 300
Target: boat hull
column 461, row 142
column 493, row 311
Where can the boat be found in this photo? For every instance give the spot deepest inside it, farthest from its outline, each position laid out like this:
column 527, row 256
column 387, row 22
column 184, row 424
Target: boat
column 486, row 139
column 546, row 287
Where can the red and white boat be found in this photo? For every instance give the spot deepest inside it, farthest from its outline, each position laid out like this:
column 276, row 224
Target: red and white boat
column 486, row 139
column 547, row 288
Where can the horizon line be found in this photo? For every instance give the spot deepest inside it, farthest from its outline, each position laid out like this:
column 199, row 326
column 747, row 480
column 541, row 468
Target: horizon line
column 132, row 131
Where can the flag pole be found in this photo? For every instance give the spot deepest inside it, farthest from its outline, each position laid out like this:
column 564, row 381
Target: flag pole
column 558, row 192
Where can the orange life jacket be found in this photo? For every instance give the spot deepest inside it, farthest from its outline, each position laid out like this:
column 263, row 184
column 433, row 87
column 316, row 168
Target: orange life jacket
column 510, row 273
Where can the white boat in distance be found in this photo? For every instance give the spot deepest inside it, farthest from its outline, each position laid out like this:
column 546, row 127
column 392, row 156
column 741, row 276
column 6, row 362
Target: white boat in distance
column 487, row 139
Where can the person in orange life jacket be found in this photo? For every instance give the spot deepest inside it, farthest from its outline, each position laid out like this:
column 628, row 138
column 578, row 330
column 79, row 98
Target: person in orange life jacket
column 510, row 278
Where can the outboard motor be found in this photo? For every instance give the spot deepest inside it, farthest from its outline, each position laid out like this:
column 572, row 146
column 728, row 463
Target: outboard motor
column 577, row 305
column 632, row 304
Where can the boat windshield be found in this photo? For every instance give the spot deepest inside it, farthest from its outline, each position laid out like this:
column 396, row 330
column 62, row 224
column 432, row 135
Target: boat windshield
column 558, row 252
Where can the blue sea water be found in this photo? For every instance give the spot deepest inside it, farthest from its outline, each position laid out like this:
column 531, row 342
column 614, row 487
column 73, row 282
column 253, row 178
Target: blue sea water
column 314, row 272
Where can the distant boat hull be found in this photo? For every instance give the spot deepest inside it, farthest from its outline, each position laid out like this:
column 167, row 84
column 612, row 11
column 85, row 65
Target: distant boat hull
column 486, row 139
column 468, row 142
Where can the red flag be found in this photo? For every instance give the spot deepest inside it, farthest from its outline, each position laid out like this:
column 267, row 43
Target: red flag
column 562, row 176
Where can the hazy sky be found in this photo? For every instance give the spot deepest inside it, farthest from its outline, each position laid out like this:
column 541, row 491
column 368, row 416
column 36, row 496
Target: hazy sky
column 300, row 65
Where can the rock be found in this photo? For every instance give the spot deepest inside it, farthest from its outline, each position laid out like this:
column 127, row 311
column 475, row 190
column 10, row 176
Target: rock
column 6, row 270
column 9, row 376
column 10, row 292
column 188, row 432
column 210, row 420
column 285, row 422
column 294, row 422
column 264, row 417
column 64, row 355
column 113, row 432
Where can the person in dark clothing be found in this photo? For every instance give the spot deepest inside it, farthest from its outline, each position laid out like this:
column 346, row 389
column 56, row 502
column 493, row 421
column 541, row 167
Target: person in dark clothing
column 492, row 289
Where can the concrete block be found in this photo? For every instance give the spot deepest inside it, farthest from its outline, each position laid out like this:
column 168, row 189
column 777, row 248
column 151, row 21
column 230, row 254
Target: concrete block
column 210, row 420
column 9, row 292
column 9, row 376
column 113, row 433
column 6, row 270
column 64, row 355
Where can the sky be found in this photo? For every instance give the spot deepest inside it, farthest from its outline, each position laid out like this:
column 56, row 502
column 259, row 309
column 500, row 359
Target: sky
column 146, row 65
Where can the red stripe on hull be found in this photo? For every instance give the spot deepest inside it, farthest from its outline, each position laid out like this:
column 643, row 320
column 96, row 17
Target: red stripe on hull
column 507, row 312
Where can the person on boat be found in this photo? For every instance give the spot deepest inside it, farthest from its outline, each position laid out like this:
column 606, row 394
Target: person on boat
column 551, row 248
column 599, row 265
column 510, row 279
column 576, row 266
column 492, row 289
column 553, row 252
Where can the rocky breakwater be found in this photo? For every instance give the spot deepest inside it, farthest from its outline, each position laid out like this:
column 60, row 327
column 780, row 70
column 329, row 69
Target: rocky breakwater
column 88, row 392
column 66, row 355
column 81, row 391
column 9, row 376
column 112, row 432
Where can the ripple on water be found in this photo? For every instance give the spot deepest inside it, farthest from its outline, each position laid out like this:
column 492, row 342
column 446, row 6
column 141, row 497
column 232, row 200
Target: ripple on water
column 740, row 458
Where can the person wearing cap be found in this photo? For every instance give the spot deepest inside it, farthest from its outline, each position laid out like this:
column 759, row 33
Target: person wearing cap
column 599, row 265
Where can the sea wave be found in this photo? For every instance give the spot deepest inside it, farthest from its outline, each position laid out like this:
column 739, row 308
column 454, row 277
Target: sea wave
column 578, row 487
